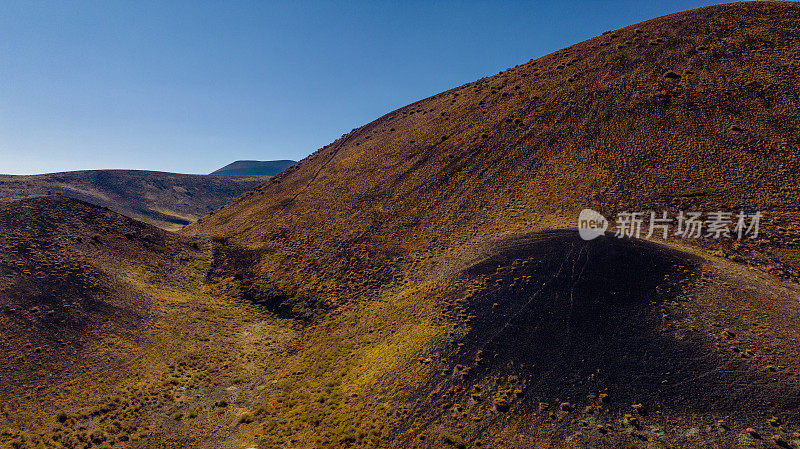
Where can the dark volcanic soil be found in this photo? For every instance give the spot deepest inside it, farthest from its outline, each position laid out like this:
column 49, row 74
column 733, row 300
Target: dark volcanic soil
column 574, row 317
column 553, row 319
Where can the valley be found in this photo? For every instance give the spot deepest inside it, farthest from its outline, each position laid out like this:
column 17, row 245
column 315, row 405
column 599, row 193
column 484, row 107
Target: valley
column 419, row 282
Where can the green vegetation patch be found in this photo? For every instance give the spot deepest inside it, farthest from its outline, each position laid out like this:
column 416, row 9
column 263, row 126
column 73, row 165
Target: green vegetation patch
column 337, row 394
column 788, row 256
column 453, row 440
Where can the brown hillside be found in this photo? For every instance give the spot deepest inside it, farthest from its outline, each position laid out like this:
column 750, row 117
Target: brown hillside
column 705, row 99
column 452, row 316
column 65, row 284
column 108, row 336
column 166, row 200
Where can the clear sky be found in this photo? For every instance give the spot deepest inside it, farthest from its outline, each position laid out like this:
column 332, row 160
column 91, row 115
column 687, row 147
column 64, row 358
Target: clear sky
column 189, row 86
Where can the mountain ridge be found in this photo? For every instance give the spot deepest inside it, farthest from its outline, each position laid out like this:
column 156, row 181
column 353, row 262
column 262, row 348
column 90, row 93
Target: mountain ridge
column 167, row 200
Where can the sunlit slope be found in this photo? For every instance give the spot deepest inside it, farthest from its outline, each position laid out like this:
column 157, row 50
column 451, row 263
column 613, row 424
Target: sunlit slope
column 452, row 315
column 692, row 110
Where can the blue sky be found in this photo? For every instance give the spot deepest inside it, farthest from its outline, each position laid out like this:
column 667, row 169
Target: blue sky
column 189, row 86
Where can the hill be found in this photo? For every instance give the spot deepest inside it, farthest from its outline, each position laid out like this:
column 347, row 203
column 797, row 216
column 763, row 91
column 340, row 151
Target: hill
column 637, row 117
column 419, row 283
column 249, row 168
column 109, row 336
column 460, row 318
column 167, row 200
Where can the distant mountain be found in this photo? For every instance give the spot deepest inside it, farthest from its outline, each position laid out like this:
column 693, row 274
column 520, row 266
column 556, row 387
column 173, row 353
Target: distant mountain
column 166, row 200
column 257, row 168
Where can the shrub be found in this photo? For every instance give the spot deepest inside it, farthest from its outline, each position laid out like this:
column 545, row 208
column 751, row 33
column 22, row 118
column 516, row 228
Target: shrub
column 285, row 202
column 695, row 191
column 453, row 440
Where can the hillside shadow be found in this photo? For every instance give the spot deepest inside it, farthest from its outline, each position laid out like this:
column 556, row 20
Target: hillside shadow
column 571, row 318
